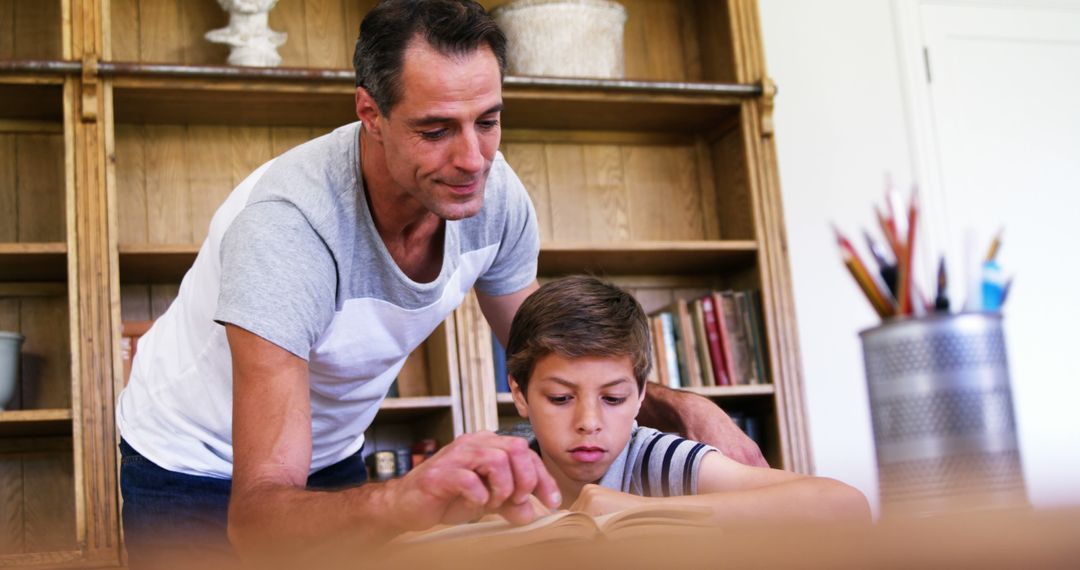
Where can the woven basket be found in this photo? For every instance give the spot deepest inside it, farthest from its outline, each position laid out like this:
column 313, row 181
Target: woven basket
column 564, row 38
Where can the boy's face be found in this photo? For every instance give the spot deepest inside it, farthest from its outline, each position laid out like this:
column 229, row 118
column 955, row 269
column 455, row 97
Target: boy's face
column 582, row 411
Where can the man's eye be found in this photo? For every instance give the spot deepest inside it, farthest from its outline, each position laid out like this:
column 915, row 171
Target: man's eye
column 434, row 135
column 558, row 400
column 489, row 124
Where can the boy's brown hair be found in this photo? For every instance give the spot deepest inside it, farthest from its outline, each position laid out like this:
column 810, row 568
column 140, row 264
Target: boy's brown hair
column 576, row 317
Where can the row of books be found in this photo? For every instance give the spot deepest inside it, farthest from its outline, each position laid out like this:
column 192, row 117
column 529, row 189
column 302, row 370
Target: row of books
column 387, row 464
column 715, row 340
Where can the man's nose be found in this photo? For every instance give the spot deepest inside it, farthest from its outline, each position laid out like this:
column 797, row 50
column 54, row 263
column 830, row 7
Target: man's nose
column 467, row 155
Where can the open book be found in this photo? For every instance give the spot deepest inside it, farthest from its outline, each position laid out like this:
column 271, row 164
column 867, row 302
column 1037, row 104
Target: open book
column 563, row 526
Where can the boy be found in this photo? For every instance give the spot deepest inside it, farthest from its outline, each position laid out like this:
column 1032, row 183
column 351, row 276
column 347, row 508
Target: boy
column 578, row 356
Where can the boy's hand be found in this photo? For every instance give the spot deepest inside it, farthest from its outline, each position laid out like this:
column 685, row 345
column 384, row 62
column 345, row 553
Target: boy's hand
column 596, row 500
column 477, row 473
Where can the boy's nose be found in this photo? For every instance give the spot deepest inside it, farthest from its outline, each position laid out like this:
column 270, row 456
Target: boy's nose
column 588, row 420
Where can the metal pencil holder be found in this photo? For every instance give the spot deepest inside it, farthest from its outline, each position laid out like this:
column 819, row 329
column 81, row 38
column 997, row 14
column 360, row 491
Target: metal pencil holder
column 942, row 412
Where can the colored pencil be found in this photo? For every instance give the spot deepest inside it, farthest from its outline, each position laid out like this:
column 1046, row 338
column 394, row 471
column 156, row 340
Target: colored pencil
column 863, row 278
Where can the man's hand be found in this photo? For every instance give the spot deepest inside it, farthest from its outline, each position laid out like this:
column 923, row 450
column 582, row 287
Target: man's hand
column 477, row 473
column 697, row 418
column 596, row 500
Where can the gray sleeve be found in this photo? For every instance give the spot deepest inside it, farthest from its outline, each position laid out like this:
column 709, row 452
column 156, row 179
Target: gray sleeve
column 278, row 279
column 668, row 466
column 514, row 267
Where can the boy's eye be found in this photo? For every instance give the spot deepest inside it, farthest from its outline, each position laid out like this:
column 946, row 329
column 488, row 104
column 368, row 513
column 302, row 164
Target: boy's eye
column 614, row 400
column 559, row 400
column 434, row 135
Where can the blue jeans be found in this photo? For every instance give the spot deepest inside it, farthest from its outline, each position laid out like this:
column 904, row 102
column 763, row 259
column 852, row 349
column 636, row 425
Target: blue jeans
column 173, row 513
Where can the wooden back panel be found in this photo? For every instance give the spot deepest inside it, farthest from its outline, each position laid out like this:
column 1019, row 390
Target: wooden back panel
column 31, row 187
column 664, row 40
column 30, row 30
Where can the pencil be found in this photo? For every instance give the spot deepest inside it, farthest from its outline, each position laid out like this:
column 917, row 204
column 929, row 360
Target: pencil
column 995, row 245
column 863, row 278
column 889, row 229
column 904, row 296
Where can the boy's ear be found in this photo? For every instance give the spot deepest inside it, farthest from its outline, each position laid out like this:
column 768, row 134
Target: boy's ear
column 519, row 399
column 641, row 399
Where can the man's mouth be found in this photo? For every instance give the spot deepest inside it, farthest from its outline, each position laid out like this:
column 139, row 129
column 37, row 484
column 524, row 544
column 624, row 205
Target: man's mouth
column 464, row 187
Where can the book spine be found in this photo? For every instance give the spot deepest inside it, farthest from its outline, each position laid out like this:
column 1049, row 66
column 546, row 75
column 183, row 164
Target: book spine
column 660, row 364
column 757, row 324
column 667, row 321
column 498, row 354
column 741, row 349
column 727, row 342
column 707, row 375
column 689, row 345
column 712, row 332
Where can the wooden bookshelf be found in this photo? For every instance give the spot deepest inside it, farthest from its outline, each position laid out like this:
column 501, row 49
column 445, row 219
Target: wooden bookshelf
column 34, row 423
column 131, row 132
column 166, row 263
column 33, row 261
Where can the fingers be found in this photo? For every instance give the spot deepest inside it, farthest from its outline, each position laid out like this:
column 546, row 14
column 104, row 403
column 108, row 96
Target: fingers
column 487, row 472
column 511, row 469
column 546, row 489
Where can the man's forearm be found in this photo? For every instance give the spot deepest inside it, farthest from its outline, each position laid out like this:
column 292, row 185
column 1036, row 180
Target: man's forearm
column 274, row 516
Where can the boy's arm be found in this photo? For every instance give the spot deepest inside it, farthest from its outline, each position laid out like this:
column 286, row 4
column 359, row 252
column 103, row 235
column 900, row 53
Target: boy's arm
column 737, row 492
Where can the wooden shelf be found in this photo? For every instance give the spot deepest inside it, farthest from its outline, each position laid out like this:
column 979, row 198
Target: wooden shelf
column 398, row 409
column 734, row 391
column 33, row 261
column 144, row 93
column 646, row 257
column 31, row 98
column 155, row 263
column 32, row 423
column 167, row 263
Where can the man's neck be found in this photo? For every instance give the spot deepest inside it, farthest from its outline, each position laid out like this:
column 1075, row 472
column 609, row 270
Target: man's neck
column 412, row 234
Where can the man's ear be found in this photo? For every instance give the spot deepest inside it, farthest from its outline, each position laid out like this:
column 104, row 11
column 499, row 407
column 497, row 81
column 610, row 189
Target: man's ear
column 368, row 113
column 519, row 399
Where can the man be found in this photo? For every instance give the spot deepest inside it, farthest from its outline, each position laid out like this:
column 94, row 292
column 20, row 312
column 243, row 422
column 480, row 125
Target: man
column 321, row 272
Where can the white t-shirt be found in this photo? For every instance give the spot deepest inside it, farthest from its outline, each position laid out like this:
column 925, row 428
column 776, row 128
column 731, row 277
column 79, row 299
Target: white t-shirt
column 293, row 256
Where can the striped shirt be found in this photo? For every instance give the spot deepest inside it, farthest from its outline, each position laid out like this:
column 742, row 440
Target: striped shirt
column 655, row 464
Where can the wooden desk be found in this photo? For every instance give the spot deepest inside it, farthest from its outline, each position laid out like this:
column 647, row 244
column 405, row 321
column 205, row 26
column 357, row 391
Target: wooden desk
column 993, row 540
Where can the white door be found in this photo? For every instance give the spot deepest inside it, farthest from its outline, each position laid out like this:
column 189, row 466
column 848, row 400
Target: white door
column 1002, row 104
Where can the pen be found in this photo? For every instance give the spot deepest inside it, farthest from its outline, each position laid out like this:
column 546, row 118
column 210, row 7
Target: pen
column 941, row 301
column 885, row 268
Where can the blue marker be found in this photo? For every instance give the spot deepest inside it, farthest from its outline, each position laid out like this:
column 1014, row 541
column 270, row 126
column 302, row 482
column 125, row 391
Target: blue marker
column 993, row 286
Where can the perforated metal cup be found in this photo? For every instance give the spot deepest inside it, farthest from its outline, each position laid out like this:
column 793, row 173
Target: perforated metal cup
column 944, row 428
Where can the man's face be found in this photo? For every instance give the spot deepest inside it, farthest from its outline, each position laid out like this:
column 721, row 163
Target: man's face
column 582, row 412
column 442, row 135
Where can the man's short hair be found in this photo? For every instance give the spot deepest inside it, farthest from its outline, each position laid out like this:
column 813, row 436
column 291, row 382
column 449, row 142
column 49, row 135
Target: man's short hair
column 452, row 27
column 575, row 317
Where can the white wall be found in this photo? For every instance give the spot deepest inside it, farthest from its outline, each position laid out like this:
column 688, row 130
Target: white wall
column 840, row 126
column 841, row 123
